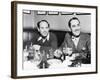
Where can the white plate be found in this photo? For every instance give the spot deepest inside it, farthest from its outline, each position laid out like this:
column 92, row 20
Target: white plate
column 54, row 61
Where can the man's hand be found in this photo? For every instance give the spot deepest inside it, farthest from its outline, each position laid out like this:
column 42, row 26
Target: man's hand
column 67, row 51
column 57, row 53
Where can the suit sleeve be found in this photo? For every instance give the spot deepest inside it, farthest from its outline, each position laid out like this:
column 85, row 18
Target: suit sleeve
column 64, row 44
column 88, row 44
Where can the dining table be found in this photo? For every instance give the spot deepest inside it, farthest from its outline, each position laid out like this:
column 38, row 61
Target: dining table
column 53, row 62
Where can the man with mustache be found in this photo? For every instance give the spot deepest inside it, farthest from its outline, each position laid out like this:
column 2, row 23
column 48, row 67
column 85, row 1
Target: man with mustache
column 46, row 40
column 77, row 43
column 44, row 37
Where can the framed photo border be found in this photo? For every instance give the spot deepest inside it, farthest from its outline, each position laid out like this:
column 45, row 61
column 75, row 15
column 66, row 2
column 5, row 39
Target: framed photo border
column 14, row 38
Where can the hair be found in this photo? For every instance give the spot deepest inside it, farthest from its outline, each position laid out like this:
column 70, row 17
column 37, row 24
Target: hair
column 38, row 23
column 73, row 18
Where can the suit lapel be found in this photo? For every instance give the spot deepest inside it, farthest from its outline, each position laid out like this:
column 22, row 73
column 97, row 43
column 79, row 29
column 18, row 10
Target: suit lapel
column 71, row 43
column 80, row 43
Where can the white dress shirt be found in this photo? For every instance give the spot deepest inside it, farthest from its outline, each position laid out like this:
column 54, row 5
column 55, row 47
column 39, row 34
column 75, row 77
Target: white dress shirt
column 43, row 40
column 75, row 40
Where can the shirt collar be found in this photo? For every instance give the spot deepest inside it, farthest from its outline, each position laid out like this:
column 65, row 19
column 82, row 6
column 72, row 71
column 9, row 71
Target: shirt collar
column 45, row 38
column 73, row 37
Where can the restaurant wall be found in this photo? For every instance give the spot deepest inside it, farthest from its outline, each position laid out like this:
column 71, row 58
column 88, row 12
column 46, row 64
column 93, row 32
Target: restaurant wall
column 57, row 22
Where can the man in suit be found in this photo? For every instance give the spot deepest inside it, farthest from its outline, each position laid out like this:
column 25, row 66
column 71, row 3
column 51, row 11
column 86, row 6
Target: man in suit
column 76, row 42
column 45, row 39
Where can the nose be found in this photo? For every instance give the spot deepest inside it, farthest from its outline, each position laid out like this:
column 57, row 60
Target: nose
column 45, row 29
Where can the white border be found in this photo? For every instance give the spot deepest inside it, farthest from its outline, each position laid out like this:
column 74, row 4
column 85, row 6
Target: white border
column 21, row 72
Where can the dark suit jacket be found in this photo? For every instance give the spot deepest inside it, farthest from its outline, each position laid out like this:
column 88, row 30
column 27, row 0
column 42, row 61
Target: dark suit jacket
column 84, row 42
column 52, row 42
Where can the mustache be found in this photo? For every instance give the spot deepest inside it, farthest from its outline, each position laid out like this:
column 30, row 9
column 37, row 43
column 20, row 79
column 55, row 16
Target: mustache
column 77, row 30
column 45, row 32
